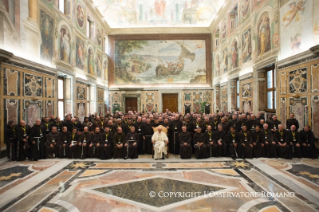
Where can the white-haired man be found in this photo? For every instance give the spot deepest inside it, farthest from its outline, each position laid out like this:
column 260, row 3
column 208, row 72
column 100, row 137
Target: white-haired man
column 160, row 140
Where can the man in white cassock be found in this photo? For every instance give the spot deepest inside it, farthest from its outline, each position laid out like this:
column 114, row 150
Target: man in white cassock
column 159, row 140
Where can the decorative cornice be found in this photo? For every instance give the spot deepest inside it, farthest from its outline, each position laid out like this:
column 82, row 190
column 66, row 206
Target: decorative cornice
column 5, row 55
column 297, row 59
column 157, row 30
column 31, row 65
column 246, row 76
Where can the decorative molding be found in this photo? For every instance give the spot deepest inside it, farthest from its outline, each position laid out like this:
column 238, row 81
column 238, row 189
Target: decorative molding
column 297, row 59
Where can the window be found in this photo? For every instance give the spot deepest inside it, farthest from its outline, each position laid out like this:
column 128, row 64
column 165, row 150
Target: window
column 237, row 94
column 61, row 5
column 234, row 18
column 89, row 28
column 61, row 97
column 271, row 89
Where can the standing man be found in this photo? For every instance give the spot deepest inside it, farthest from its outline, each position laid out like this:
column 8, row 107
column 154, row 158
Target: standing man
column 175, row 128
column 185, row 143
column 9, row 137
column 21, row 146
column 37, row 141
column 292, row 121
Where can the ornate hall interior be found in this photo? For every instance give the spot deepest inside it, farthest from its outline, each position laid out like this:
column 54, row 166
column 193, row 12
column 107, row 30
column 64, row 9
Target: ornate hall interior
column 159, row 105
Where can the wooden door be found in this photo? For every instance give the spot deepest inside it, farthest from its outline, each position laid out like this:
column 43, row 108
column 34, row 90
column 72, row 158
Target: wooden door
column 170, row 102
column 130, row 104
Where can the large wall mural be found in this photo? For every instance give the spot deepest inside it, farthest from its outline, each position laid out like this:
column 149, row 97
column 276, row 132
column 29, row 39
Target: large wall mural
column 65, row 46
column 264, row 41
column 80, row 54
column 296, row 29
column 46, row 27
column 160, row 61
column 247, row 48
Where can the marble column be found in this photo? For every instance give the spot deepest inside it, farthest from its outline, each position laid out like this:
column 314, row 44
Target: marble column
column 32, row 31
column 232, row 95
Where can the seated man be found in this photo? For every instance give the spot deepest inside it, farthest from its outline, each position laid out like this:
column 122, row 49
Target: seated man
column 200, row 144
column 245, row 146
column 159, row 140
column 308, row 143
column 64, row 142
column 283, row 147
column 185, row 139
column 293, row 139
column 220, row 141
column 53, row 139
column 118, row 143
column 258, row 142
column 106, row 144
column 130, row 146
column 73, row 147
column 85, row 140
column 232, row 139
column 94, row 147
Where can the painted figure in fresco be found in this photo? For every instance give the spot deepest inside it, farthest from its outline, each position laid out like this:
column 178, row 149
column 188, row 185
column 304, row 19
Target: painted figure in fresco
column 264, row 36
column 225, row 61
column 80, row 15
column 47, row 37
column 294, row 13
column 246, row 46
column 65, row 45
column 98, row 66
column 160, row 6
column 234, row 54
column 91, row 62
column 80, row 55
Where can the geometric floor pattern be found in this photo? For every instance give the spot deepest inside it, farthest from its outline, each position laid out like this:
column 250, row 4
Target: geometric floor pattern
column 215, row 184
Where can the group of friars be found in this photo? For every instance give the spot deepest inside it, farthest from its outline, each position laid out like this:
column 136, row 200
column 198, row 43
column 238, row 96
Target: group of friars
column 237, row 135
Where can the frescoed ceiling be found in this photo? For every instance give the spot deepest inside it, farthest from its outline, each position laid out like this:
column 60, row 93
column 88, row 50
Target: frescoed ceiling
column 158, row 13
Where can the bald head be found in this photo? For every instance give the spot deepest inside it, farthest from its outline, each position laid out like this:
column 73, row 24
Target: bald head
column 22, row 123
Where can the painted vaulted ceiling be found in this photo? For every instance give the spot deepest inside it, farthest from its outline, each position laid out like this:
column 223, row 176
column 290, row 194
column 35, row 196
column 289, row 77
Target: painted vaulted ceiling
column 158, row 13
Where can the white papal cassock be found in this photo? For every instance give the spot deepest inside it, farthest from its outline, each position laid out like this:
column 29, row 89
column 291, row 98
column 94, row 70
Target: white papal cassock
column 159, row 145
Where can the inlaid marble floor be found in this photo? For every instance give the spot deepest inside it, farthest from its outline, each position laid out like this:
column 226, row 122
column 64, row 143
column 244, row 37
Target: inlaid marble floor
column 144, row 184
